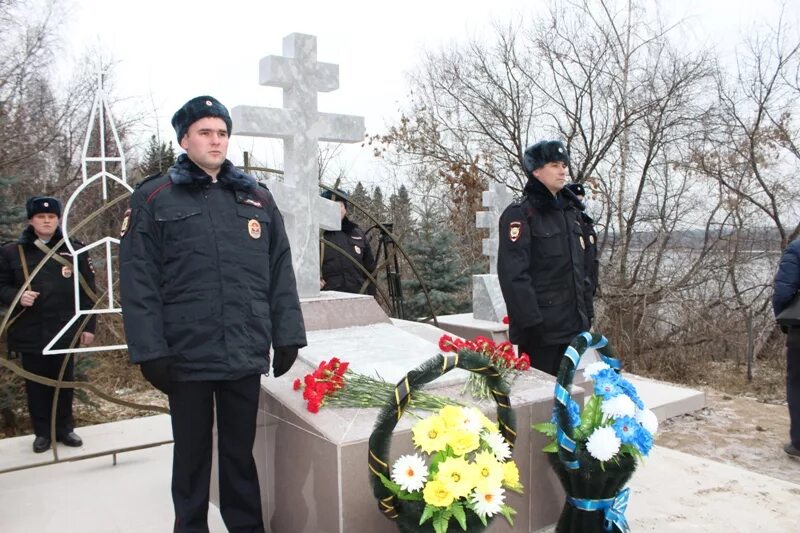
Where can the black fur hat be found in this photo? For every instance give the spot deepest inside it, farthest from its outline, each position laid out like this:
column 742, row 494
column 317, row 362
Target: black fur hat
column 42, row 204
column 197, row 108
column 337, row 195
column 539, row 154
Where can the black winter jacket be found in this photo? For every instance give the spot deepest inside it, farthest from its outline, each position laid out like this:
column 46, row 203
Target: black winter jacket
column 339, row 272
column 206, row 274
column 542, row 267
column 37, row 325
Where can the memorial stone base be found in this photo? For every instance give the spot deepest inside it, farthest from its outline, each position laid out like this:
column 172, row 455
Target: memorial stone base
column 313, row 467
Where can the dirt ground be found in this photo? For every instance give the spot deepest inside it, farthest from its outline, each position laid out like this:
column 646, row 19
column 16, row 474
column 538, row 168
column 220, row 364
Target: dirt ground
column 737, row 430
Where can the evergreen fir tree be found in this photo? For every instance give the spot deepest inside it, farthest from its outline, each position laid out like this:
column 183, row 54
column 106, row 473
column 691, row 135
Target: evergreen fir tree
column 158, row 157
column 360, row 196
column 400, row 212
column 11, row 214
column 379, row 210
column 434, row 255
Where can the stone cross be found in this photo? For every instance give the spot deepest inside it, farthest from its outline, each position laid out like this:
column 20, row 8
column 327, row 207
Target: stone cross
column 301, row 127
column 487, row 299
column 496, row 198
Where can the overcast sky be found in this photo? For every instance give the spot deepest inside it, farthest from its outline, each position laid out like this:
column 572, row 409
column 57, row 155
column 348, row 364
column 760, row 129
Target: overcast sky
column 168, row 51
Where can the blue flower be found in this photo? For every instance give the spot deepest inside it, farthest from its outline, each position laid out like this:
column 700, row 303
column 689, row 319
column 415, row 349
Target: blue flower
column 606, row 384
column 631, row 432
column 627, row 429
column 644, row 441
column 574, row 412
column 628, row 388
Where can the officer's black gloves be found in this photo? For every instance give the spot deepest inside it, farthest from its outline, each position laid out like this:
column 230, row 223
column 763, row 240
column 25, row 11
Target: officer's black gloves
column 156, row 371
column 283, row 359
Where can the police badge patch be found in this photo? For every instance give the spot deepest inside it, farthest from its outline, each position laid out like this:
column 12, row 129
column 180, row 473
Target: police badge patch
column 125, row 222
column 66, row 271
column 254, row 228
column 515, row 228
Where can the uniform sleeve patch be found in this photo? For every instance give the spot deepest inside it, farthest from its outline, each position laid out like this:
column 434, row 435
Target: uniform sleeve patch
column 514, row 230
column 125, row 221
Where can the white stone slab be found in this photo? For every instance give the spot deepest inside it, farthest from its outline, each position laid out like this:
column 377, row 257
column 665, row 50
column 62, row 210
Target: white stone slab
column 467, row 326
column 487, row 298
column 382, row 350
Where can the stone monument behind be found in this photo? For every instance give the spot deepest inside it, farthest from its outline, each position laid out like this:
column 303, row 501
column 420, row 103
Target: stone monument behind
column 313, row 467
column 301, row 126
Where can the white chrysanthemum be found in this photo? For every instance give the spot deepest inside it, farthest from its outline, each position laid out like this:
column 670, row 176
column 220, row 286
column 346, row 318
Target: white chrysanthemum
column 410, row 472
column 618, row 406
column 488, row 503
column 497, row 444
column 648, row 420
column 473, row 420
column 594, row 368
column 603, row 443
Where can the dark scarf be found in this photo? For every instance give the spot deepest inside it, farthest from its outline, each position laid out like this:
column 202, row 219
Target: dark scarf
column 185, row 172
column 540, row 197
column 29, row 236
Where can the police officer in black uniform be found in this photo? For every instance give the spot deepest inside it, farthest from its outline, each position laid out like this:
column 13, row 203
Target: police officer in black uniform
column 46, row 306
column 340, row 272
column 207, row 288
column 542, row 258
column 591, row 261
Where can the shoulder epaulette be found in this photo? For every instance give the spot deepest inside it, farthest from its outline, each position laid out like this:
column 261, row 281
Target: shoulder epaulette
column 149, row 178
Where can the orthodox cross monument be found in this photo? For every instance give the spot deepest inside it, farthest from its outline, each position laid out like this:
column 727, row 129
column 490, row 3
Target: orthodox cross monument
column 487, row 299
column 302, row 127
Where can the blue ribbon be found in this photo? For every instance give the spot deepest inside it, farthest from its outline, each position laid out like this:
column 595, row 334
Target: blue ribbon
column 573, row 355
column 613, row 509
column 564, row 441
column 600, row 344
column 561, row 394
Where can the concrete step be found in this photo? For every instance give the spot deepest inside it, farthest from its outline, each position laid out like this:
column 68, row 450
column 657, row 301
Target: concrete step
column 100, row 439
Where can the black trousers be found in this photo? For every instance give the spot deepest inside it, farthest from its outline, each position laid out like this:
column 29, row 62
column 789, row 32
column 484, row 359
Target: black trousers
column 545, row 358
column 192, row 406
column 793, row 384
column 40, row 397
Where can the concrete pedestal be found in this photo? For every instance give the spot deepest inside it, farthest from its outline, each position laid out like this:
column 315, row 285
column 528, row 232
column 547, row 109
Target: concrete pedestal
column 313, row 467
column 466, row 326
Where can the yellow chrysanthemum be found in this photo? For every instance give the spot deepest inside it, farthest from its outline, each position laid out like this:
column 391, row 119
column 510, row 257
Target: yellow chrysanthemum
column 489, row 471
column 510, row 474
column 453, row 416
column 463, row 442
column 430, row 434
column 437, row 493
column 458, row 475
